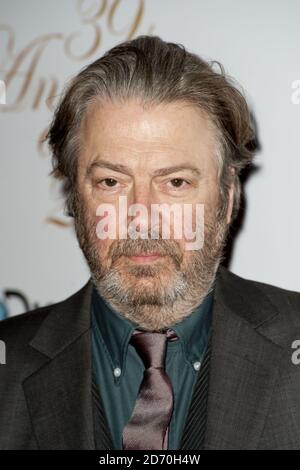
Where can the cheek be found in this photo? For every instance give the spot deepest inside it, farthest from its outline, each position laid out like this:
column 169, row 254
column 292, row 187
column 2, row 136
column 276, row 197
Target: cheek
column 104, row 246
column 211, row 203
column 90, row 205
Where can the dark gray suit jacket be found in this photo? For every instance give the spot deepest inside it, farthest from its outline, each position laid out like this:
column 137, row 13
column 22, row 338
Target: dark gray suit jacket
column 254, row 387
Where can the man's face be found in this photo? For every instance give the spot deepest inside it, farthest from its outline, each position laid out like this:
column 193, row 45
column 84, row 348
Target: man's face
column 161, row 155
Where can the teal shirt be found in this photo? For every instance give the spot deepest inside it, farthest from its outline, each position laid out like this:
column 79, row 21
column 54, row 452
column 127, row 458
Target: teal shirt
column 119, row 369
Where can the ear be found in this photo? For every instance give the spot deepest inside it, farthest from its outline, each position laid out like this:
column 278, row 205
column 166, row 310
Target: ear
column 230, row 197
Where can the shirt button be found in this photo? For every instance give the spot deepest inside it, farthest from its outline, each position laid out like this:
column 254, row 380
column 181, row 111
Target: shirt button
column 117, row 372
column 197, row 365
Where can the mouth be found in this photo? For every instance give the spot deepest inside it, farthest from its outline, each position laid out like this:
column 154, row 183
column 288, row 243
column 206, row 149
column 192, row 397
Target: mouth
column 146, row 258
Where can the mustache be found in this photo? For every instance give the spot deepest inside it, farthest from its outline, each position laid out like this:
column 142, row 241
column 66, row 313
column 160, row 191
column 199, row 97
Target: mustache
column 137, row 247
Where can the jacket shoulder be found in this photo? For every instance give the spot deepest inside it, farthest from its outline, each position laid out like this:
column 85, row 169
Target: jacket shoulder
column 283, row 298
column 273, row 311
column 22, row 327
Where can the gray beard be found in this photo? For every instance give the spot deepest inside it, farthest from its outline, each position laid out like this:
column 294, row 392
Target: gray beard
column 143, row 294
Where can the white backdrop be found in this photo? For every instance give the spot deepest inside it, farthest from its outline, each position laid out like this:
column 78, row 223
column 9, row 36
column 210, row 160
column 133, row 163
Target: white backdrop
column 43, row 43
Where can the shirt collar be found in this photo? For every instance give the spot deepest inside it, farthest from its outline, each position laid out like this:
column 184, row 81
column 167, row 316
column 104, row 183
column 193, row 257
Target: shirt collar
column 194, row 330
column 115, row 331
column 112, row 329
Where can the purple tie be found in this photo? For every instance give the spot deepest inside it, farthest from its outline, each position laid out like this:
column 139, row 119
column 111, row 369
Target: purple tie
column 148, row 425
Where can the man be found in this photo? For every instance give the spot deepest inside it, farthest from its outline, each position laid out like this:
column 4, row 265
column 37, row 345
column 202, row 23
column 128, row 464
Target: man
column 163, row 348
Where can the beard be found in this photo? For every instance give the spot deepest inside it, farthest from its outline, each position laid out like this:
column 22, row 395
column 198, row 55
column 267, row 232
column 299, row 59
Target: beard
column 157, row 295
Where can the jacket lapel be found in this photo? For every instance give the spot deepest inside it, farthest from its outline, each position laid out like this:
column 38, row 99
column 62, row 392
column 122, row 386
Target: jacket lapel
column 194, row 430
column 243, row 369
column 58, row 392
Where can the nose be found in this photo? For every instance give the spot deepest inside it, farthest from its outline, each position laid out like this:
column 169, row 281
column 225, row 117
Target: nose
column 139, row 206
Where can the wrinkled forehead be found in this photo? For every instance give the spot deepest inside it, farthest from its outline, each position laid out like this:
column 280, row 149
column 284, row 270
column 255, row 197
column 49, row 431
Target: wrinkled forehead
column 128, row 132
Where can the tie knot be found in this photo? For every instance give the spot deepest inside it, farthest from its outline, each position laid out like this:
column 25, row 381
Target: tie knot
column 151, row 347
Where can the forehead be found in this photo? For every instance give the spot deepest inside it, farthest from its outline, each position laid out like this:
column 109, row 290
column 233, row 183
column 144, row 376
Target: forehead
column 168, row 130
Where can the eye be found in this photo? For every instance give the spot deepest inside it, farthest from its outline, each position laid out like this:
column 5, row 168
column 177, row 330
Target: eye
column 178, row 183
column 109, row 182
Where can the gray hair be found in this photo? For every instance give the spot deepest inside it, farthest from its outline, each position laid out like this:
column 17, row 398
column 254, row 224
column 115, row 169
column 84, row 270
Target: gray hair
column 155, row 71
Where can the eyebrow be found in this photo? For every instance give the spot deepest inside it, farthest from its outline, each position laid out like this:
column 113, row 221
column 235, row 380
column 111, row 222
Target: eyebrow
column 124, row 169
